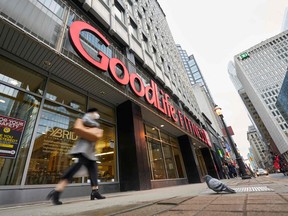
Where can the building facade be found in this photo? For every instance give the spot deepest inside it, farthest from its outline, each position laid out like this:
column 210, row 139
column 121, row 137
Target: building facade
column 206, row 104
column 282, row 100
column 60, row 58
column 261, row 70
column 258, row 124
column 258, row 147
column 193, row 71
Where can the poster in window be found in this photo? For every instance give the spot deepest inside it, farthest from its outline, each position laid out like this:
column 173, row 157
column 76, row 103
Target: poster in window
column 11, row 130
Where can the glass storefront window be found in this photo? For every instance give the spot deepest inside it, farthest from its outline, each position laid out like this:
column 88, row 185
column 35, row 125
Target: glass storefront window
column 15, row 141
column 168, row 155
column 179, row 163
column 152, row 132
column 165, row 138
column 53, row 140
column 106, row 145
column 156, row 159
column 21, row 77
column 106, row 154
column 164, row 154
column 106, row 113
column 65, row 95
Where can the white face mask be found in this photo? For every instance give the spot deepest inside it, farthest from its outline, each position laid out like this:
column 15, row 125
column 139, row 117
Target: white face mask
column 94, row 115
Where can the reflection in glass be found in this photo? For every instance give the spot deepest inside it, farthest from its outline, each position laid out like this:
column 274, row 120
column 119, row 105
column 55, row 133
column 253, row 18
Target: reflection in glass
column 21, row 77
column 54, row 139
column 18, row 105
column 106, row 154
column 156, row 160
column 106, row 146
column 171, row 171
column 165, row 158
column 179, row 163
column 48, row 13
column 65, row 95
column 106, row 113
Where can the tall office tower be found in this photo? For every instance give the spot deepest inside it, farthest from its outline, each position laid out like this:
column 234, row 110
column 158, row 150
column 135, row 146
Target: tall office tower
column 195, row 77
column 250, row 156
column 282, row 100
column 203, row 97
column 193, row 70
column 261, row 70
column 258, row 146
column 252, row 113
column 285, row 20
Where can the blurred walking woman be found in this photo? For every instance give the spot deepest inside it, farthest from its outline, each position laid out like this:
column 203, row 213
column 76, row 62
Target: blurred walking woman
column 88, row 130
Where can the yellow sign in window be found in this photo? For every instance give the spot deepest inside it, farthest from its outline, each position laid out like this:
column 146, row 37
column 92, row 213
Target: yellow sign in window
column 6, row 145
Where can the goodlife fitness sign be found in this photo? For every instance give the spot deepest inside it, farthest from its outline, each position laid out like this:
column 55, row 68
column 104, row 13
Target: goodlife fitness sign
column 150, row 92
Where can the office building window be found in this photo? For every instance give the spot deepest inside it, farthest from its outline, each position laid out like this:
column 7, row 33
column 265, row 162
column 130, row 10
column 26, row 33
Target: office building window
column 119, row 12
column 133, row 28
column 145, row 42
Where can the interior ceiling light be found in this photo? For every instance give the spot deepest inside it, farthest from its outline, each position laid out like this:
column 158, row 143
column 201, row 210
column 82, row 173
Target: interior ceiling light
column 162, row 125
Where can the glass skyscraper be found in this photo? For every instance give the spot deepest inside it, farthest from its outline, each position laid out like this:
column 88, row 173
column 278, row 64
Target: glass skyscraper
column 193, row 70
column 282, row 101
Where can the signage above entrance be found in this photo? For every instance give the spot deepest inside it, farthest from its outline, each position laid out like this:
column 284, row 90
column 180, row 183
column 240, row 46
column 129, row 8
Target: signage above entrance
column 155, row 97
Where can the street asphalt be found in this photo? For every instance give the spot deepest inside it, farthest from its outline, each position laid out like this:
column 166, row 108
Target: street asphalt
column 261, row 196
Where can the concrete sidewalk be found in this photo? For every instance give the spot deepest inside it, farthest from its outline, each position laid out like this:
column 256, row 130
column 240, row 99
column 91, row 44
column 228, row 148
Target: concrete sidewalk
column 263, row 196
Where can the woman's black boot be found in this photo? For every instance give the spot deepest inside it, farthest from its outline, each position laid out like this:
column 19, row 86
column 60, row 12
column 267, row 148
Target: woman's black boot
column 54, row 196
column 96, row 194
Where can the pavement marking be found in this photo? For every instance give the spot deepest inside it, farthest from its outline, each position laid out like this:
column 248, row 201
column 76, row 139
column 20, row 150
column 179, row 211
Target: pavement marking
column 253, row 189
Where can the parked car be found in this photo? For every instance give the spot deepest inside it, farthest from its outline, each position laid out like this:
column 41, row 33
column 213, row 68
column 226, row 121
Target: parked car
column 261, row 171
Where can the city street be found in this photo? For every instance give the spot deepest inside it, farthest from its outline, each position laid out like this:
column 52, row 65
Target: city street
column 265, row 195
column 147, row 96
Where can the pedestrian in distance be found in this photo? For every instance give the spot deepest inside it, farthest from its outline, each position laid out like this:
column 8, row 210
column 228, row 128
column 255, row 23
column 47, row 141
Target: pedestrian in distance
column 226, row 170
column 232, row 170
column 89, row 132
column 276, row 163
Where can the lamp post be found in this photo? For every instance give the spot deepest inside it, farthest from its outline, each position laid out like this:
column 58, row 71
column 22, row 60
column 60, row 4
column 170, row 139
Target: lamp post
column 239, row 160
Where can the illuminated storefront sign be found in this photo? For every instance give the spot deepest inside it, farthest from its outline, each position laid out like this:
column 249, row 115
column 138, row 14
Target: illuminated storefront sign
column 158, row 98
column 11, row 130
column 57, row 140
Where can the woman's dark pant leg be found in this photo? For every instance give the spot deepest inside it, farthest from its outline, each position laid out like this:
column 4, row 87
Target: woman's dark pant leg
column 72, row 171
column 93, row 172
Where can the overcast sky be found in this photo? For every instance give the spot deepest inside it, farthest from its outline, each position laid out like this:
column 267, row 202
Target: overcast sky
column 215, row 31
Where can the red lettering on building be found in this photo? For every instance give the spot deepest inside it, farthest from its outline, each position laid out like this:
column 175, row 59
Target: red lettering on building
column 118, row 71
column 180, row 116
column 113, row 64
column 173, row 113
column 74, row 33
column 135, row 78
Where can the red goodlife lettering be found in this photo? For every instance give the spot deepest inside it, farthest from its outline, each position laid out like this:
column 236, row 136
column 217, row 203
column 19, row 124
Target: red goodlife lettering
column 112, row 69
column 74, row 33
column 158, row 98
